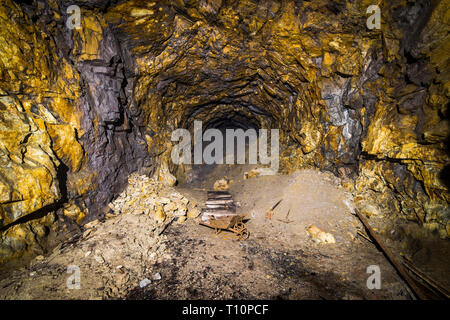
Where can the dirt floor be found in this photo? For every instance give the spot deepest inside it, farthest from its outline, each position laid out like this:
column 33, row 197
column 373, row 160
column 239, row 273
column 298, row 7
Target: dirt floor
column 189, row 261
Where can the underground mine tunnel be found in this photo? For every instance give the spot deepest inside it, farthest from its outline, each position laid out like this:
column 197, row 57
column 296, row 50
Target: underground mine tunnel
column 94, row 204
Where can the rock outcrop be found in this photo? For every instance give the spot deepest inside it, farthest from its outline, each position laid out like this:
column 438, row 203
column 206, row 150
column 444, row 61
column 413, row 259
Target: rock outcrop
column 68, row 136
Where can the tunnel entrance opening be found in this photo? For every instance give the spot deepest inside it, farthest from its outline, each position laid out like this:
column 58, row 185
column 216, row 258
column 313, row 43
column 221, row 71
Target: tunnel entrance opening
column 229, row 127
column 229, row 154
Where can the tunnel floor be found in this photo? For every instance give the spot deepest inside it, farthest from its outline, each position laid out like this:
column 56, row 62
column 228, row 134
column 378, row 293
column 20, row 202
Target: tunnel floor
column 278, row 261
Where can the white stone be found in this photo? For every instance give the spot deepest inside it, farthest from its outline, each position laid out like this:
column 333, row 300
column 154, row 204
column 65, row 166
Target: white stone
column 157, row 276
column 144, row 283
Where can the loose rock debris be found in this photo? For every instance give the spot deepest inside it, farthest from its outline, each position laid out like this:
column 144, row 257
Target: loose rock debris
column 111, row 259
column 146, row 196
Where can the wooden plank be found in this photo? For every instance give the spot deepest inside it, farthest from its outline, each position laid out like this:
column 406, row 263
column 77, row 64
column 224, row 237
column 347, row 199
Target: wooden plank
column 212, row 212
column 221, row 201
column 217, row 208
column 220, row 206
column 429, row 281
column 218, row 216
column 218, row 192
column 392, row 259
column 220, row 198
column 207, row 211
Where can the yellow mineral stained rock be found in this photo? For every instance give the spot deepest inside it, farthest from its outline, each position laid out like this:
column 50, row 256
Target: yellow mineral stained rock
column 193, row 212
column 160, row 216
column 222, row 184
column 66, row 145
column 75, row 213
column 87, row 38
column 165, row 176
column 28, row 166
column 20, row 238
column 320, row 236
column 38, row 119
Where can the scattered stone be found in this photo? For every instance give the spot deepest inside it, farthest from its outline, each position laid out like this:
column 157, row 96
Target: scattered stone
column 87, row 233
column 164, row 200
column 320, row 236
column 157, row 276
column 180, row 212
column 170, row 207
column 148, row 196
column 99, row 260
column 253, row 173
column 91, row 224
column 259, row 172
column 109, row 216
column 222, row 184
column 119, row 268
column 160, row 215
column 193, row 212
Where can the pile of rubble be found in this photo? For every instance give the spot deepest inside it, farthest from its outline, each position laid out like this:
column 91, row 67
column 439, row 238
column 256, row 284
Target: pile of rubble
column 145, row 195
column 114, row 256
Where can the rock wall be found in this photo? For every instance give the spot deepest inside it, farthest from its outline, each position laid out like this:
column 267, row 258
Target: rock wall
column 405, row 150
column 68, row 136
column 83, row 108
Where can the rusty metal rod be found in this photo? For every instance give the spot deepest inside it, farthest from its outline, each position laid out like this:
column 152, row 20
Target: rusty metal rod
column 392, row 259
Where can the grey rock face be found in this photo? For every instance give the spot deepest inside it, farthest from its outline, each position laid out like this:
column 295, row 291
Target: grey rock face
column 112, row 142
